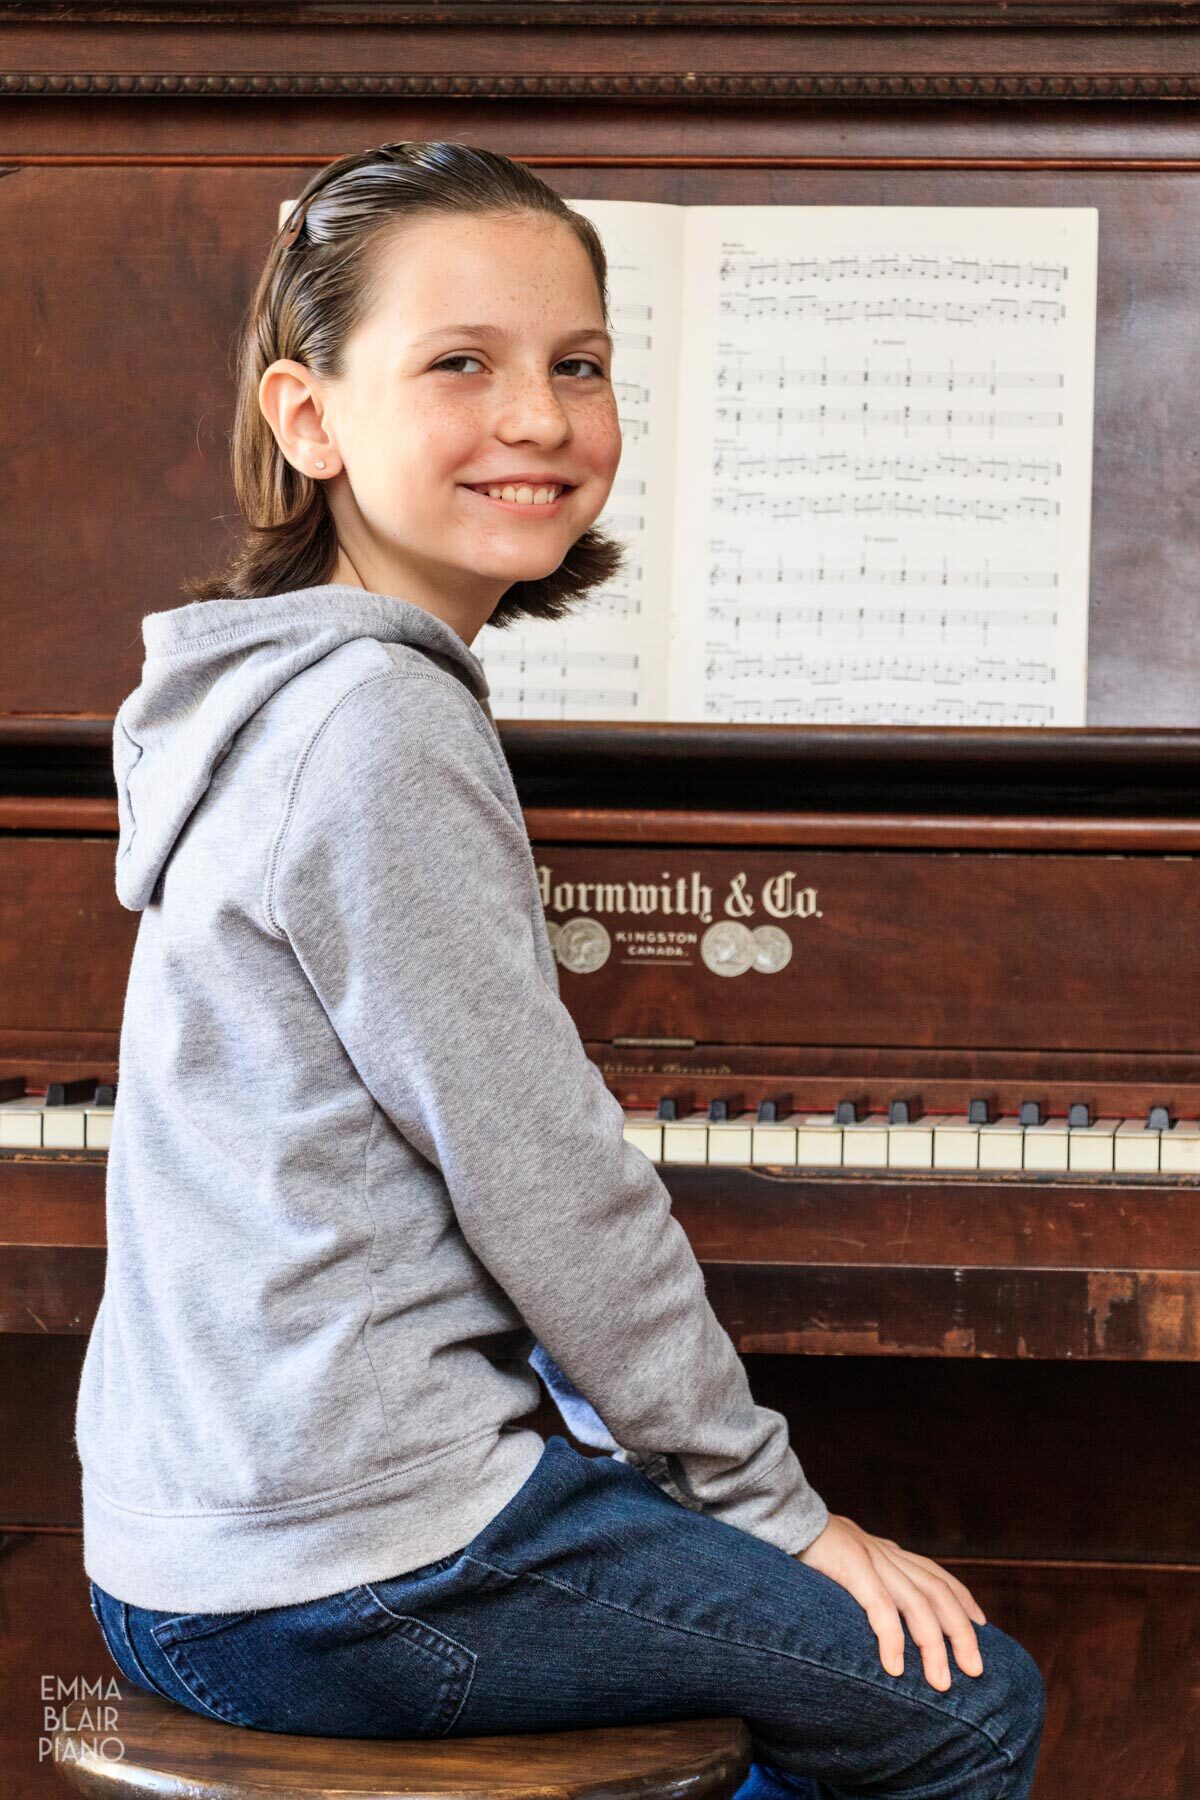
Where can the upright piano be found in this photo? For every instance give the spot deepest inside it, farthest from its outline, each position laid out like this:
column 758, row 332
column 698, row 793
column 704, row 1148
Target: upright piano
column 909, row 1020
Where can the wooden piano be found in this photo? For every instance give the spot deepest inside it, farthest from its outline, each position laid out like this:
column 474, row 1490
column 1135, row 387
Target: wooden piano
column 933, row 1130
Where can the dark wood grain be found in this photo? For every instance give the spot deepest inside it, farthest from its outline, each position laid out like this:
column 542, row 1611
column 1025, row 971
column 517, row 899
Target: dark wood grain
column 175, row 1755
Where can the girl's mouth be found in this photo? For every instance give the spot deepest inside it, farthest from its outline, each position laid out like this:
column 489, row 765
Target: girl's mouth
column 535, row 508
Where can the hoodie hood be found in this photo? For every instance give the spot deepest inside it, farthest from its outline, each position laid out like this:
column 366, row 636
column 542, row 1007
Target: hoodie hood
column 209, row 666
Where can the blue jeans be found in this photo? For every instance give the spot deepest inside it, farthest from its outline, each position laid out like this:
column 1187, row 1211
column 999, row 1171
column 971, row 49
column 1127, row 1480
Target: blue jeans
column 593, row 1598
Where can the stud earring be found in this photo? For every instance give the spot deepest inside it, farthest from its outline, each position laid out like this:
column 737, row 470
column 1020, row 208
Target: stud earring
column 320, row 463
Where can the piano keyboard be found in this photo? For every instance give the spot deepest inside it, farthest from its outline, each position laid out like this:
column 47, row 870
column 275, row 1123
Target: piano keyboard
column 1155, row 1145
column 63, row 1119
column 71, row 1115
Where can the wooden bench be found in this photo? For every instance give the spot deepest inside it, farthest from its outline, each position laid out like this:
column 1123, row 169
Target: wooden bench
column 139, row 1745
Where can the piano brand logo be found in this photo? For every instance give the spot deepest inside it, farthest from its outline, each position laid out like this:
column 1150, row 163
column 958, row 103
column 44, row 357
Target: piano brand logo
column 678, row 896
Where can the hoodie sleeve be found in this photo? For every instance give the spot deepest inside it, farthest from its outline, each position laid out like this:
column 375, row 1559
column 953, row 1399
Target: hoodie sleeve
column 407, row 889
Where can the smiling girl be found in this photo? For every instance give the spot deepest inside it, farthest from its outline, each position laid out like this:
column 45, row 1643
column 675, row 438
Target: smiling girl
column 362, row 1169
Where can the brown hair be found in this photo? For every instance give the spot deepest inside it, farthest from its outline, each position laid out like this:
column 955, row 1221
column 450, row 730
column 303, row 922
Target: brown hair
column 320, row 280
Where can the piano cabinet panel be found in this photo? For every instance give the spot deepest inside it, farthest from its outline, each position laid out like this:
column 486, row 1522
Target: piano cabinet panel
column 941, row 1268
column 996, row 950
column 65, row 949
column 853, row 1309
column 1096, row 1461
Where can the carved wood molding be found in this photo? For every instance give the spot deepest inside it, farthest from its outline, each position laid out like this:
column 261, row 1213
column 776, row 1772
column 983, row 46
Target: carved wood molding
column 708, row 15
column 59, row 84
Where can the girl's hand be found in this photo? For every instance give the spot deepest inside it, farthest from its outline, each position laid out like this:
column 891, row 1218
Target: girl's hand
column 887, row 1582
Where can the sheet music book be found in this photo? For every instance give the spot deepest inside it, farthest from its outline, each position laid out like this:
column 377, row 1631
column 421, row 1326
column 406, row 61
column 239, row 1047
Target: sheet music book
column 856, row 474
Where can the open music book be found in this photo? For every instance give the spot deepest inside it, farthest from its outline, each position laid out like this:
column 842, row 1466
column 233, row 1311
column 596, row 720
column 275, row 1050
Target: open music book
column 856, row 475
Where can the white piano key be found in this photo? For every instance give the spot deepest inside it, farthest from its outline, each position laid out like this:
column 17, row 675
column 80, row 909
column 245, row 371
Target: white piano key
column 685, row 1141
column 729, row 1143
column 956, row 1142
column 21, row 1124
column 1002, row 1144
column 911, row 1146
column 644, row 1132
column 97, row 1126
column 1136, row 1148
column 1091, row 1146
column 865, row 1144
column 818, row 1141
column 773, row 1144
column 63, row 1127
column 1179, row 1151
column 1046, row 1146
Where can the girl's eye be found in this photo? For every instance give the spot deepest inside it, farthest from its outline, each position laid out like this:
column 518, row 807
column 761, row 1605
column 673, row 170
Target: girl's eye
column 585, row 362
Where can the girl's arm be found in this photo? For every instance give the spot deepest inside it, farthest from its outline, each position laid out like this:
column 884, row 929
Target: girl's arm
column 404, row 881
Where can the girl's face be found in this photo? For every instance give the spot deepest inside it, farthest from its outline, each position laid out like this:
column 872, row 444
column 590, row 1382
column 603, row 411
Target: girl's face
column 484, row 362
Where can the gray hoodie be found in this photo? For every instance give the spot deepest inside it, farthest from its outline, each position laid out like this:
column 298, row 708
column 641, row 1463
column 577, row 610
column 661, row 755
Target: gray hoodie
column 361, row 1164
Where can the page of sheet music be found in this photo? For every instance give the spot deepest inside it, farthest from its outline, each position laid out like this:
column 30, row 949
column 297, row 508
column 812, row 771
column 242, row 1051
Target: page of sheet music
column 608, row 660
column 883, row 492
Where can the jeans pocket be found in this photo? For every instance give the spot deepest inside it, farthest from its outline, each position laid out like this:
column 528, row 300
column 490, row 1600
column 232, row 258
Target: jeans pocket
column 445, row 1667
column 112, row 1616
column 346, row 1665
column 201, row 1653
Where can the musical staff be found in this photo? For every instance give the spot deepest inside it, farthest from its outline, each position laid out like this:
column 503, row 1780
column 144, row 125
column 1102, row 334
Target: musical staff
column 940, row 464
column 883, row 505
column 990, row 380
column 903, row 622
column 866, row 417
column 997, row 311
column 821, row 574
column 941, row 672
column 730, row 707
column 905, row 266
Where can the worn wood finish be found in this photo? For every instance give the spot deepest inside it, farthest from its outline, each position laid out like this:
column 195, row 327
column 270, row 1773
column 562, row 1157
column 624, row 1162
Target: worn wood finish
column 1041, row 1267
column 171, row 1753
column 859, row 1310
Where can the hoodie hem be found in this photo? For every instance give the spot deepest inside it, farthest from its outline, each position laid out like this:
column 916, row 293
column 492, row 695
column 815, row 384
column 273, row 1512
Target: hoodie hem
column 280, row 1556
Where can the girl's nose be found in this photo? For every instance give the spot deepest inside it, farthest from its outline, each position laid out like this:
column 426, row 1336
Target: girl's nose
column 532, row 409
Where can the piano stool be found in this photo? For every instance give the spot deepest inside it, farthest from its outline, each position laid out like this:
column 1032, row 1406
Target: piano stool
column 149, row 1746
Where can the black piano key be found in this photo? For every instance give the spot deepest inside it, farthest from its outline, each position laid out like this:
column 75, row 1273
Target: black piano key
column 768, row 1112
column 1031, row 1112
column 1079, row 1115
column 846, row 1112
column 69, row 1093
column 106, row 1094
column 668, row 1110
column 979, row 1112
column 718, row 1111
column 1159, row 1119
column 898, row 1113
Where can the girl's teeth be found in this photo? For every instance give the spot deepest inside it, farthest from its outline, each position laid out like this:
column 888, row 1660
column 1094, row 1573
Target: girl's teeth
column 524, row 495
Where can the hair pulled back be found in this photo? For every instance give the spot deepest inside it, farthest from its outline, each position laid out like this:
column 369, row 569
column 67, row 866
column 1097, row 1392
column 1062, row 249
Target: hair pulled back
column 322, row 276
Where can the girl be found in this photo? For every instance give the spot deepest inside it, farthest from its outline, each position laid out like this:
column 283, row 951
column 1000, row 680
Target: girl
column 362, row 1166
